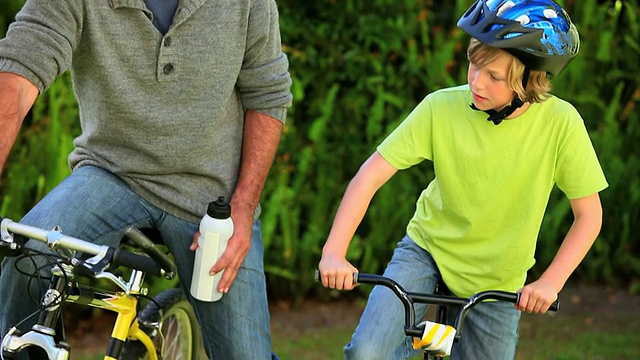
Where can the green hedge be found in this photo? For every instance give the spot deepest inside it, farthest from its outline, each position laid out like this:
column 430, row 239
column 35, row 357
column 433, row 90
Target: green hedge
column 359, row 68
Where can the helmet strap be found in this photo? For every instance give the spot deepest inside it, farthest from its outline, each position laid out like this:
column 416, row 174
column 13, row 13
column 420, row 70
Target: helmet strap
column 516, row 103
column 498, row 116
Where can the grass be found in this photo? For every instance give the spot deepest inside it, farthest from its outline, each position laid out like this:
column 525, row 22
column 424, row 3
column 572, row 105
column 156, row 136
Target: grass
column 553, row 338
column 579, row 337
column 592, row 324
column 551, row 341
column 542, row 338
column 322, row 344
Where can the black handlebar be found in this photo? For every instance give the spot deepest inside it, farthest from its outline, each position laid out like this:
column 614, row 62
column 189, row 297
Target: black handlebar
column 409, row 298
column 447, row 300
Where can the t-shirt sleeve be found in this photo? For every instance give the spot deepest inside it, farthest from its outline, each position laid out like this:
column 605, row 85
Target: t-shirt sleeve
column 578, row 171
column 411, row 142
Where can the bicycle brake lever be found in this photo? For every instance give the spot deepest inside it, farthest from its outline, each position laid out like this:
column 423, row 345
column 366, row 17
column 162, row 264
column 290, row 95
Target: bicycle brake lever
column 10, row 245
column 96, row 264
column 9, row 249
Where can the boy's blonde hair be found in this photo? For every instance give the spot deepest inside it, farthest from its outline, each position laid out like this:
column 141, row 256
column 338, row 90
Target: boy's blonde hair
column 538, row 86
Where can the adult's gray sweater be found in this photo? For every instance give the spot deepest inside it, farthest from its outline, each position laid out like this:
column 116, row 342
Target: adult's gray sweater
column 163, row 112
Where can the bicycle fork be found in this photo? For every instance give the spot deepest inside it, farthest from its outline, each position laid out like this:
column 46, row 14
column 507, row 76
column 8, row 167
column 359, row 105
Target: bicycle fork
column 43, row 334
column 48, row 333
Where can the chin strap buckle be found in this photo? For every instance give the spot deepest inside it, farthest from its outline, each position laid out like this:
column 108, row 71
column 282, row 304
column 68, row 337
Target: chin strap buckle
column 498, row 116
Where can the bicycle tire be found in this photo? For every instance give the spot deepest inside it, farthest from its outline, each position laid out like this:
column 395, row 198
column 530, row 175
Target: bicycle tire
column 180, row 332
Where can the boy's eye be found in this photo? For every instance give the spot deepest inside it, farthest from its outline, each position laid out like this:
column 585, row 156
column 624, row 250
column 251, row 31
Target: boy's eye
column 495, row 77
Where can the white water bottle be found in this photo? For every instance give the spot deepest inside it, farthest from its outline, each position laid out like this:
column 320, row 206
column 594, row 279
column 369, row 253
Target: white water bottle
column 216, row 228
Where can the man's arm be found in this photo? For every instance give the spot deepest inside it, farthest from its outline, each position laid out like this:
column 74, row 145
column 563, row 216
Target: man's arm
column 260, row 143
column 17, row 95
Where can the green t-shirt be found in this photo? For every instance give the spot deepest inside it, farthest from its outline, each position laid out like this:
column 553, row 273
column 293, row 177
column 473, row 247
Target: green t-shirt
column 480, row 216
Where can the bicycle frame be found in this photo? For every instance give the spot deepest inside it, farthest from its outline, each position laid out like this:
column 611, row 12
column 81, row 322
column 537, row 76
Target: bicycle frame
column 124, row 303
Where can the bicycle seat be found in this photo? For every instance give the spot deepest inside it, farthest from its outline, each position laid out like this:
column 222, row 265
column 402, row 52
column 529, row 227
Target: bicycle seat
column 442, row 289
column 153, row 234
column 150, row 241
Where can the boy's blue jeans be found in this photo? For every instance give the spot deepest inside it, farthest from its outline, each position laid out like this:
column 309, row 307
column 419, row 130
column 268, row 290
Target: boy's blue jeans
column 490, row 330
column 95, row 204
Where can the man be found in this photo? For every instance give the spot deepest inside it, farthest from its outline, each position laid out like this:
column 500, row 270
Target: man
column 180, row 102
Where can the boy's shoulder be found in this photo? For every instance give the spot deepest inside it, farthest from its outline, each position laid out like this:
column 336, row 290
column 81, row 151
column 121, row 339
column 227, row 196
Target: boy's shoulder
column 450, row 95
column 460, row 90
column 558, row 102
column 559, row 106
column 557, row 112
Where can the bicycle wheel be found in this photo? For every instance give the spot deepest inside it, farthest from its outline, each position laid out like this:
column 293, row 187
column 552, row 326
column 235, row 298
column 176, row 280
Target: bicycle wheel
column 179, row 337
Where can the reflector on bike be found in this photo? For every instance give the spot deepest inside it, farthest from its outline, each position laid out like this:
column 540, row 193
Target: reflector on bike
column 437, row 338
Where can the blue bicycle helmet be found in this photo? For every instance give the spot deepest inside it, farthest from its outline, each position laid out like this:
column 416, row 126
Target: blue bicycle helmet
column 538, row 32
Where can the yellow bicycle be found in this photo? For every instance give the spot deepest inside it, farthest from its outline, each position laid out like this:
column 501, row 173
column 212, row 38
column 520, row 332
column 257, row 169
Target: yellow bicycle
column 166, row 328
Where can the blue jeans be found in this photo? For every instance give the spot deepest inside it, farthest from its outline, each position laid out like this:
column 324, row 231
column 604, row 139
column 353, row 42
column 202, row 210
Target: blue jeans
column 97, row 205
column 490, row 331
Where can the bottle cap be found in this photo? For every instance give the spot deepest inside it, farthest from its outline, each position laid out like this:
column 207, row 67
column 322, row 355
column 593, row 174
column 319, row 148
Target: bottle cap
column 219, row 209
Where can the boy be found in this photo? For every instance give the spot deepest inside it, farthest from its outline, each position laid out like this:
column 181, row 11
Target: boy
column 476, row 224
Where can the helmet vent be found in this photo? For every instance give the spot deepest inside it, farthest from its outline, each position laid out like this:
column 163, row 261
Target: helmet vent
column 506, row 6
column 523, row 19
column 550, row 14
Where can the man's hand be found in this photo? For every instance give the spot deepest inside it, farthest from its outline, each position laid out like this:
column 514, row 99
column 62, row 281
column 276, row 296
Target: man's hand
column 237, row 247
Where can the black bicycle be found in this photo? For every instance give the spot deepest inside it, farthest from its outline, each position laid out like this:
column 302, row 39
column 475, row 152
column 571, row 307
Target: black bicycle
column 435, row 338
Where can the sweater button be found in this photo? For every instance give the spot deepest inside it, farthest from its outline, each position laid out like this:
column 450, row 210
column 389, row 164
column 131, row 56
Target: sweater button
column 167, row 41
column 168, row 69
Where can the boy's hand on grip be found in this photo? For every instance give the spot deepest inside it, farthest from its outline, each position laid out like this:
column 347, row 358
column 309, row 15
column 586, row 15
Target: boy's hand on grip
column 337, row 273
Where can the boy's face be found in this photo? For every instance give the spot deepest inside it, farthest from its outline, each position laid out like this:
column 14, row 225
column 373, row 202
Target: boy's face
column 489, row 83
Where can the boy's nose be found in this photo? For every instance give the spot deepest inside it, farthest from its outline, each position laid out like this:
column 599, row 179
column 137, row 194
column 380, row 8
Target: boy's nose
column 476, row 80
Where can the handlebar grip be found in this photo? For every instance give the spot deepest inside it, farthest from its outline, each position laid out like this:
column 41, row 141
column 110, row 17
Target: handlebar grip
column 553, row 307
column 152, row 250
column 135, row 261
column 317, row 277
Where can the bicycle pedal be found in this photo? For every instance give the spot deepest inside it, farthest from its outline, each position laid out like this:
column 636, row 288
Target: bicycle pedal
column 437, row 339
